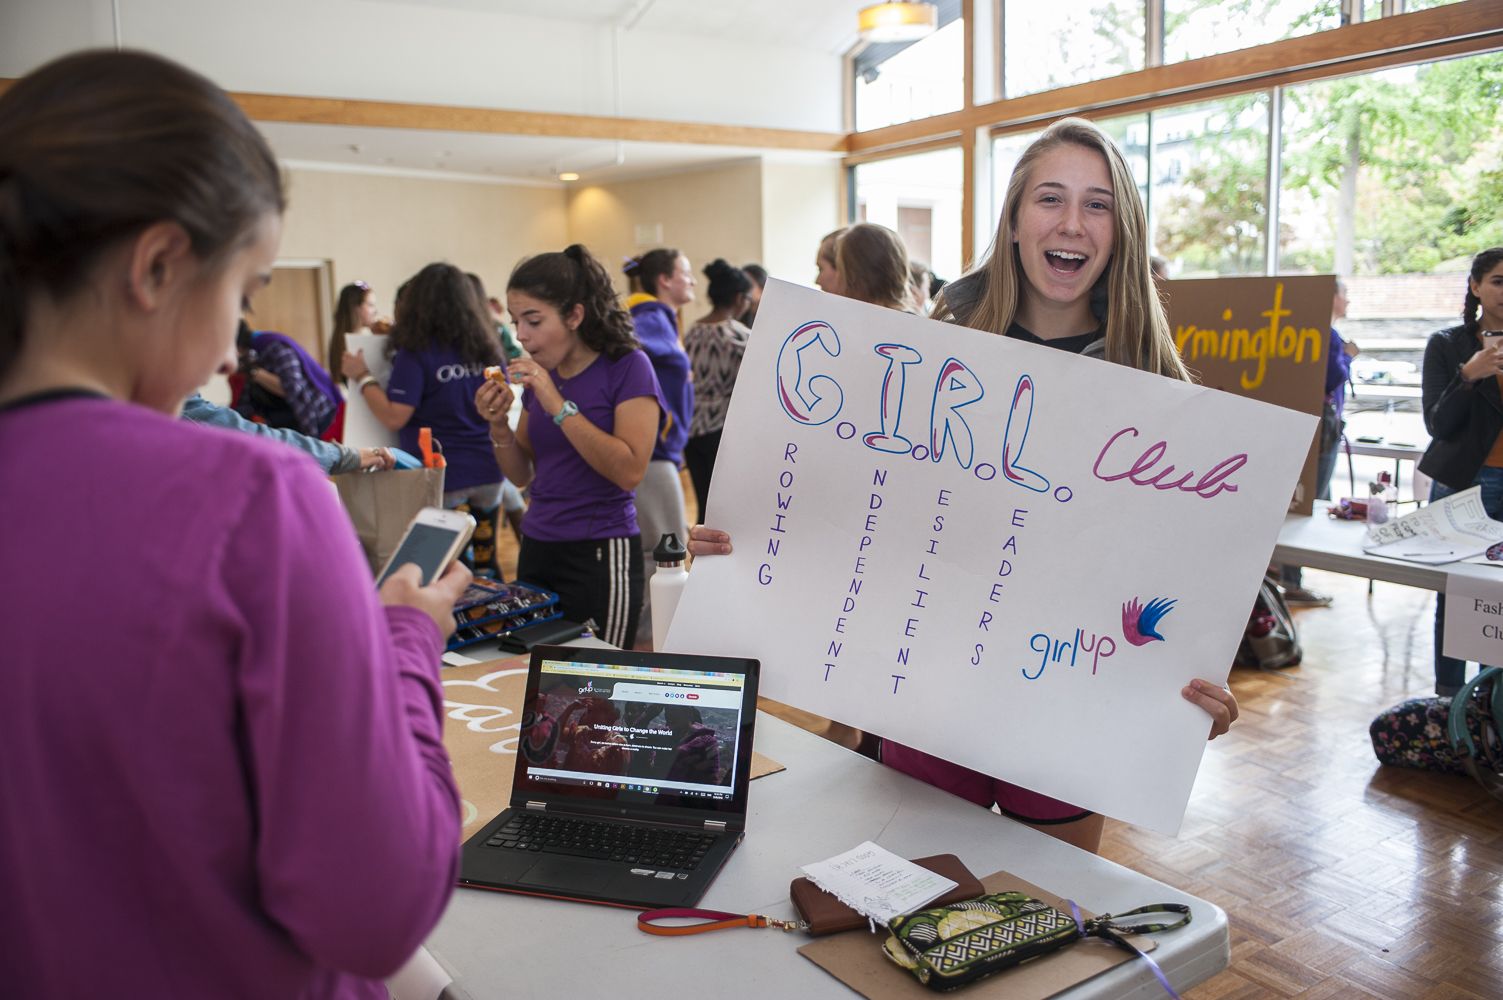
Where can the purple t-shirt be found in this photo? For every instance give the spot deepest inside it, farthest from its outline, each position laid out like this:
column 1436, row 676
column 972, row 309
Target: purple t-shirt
column 571, row 502
column 224, row 769
column 442, row 386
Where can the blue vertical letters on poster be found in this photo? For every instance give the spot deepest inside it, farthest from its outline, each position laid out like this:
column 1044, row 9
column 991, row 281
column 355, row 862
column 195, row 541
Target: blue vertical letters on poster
column 808, row 381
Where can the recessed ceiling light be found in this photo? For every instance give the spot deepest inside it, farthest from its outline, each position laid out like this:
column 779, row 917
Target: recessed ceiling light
column 568, row 175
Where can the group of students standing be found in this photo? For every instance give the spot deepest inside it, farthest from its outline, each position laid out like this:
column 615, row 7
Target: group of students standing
column 248, row 729
column 597, row 510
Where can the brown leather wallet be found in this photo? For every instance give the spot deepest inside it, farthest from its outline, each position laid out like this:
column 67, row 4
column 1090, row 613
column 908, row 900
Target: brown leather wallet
column 826, row 914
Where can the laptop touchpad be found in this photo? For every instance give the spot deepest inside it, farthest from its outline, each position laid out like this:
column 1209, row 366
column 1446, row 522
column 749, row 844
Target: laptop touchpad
column 572, row 876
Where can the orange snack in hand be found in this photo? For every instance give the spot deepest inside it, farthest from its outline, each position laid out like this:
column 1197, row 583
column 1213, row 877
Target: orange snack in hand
column 497, row 374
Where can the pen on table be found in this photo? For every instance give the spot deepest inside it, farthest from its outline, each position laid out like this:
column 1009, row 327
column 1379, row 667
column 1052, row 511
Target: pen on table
column 1446, row 552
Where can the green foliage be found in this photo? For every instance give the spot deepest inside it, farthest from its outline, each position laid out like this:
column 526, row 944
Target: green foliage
column 1429, row 182
column 1429, row 137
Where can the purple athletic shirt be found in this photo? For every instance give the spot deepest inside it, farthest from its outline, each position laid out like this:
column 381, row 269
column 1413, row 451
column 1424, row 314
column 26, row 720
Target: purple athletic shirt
column 571, row 502
column 223, row 772
column 442, row 386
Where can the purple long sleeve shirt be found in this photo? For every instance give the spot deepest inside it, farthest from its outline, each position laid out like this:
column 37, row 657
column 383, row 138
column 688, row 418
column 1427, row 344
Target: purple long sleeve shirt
column 221, row 767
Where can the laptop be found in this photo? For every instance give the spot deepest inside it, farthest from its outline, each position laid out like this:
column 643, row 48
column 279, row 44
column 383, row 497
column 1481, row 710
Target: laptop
column 630, row 782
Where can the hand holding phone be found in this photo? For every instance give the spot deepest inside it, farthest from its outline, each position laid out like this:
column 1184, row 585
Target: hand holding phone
column 433, row 540
column 423, row 573
column 437, row 600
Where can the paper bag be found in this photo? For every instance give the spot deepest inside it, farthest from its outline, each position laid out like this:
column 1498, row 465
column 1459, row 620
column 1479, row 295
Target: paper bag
column 381, row 504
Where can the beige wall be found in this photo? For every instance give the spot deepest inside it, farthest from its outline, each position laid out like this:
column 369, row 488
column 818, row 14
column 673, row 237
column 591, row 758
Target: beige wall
column 800, row 204
column 383, row 229
column 716, row 212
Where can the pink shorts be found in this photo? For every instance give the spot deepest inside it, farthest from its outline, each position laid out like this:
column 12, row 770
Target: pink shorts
column 1019, row 803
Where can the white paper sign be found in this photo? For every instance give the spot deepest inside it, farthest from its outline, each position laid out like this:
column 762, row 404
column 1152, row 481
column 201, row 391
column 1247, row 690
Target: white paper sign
column 1474, row 618
column 1449, row 529
column 1001, row 554
column 876, row 883
column 361, row 428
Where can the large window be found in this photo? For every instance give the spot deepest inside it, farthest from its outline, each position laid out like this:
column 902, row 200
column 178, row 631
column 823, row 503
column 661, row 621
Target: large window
column 898, row 84
column 1208, row 208
column 1197, row 28
column 1056, row 45
column 918, row 196
column 1394, row 172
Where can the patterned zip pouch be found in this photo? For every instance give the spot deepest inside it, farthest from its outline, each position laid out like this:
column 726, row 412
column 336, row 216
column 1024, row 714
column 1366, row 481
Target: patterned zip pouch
column 946, row 947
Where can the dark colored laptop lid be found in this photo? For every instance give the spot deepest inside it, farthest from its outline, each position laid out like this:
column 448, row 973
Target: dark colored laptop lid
column 664, row 737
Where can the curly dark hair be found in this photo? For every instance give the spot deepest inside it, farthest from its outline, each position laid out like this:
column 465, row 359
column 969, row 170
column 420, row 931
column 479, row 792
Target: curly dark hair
column 726, row 282
column 438, row 310
column 575, row 277
column 1482, row 266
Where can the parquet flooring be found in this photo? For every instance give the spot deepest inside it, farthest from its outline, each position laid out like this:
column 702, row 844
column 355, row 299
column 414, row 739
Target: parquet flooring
column 1342, row 879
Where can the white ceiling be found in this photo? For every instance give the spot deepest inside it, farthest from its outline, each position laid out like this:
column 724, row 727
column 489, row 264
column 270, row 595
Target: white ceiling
column 827, row 25
column 468, row 155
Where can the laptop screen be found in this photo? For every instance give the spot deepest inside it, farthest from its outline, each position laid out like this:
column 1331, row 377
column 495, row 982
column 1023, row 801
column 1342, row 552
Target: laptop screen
column 657, row 729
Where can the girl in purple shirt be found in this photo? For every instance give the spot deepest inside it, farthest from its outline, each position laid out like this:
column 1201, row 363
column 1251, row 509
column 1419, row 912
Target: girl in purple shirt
column 442, row 343
column 232, row 781
column 591, row 413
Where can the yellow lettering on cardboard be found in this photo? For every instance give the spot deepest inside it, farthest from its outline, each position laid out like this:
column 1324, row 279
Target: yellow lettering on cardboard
column 1238, row 344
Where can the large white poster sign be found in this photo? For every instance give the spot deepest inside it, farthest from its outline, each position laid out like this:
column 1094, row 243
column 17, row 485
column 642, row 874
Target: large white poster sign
column 1474, row 618
column 1002, row 554
column 361, row 428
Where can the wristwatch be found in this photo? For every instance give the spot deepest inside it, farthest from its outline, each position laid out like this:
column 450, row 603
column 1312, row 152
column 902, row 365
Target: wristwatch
column 565, row 412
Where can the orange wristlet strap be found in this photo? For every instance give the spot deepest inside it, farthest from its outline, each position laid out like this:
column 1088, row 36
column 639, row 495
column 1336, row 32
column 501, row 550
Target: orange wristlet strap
column 708, row 920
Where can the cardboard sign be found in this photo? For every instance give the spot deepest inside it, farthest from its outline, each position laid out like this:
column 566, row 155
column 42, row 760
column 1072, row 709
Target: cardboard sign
column 1262, row 338
column 1474, row 618
column 1002, row 554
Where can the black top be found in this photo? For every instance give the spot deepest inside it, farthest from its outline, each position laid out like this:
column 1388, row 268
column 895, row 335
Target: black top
column 1463, row 418
column 1074, row 344
column 50, row 396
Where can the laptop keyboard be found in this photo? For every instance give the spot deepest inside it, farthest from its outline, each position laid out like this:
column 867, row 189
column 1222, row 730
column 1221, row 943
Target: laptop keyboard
column 586, row 838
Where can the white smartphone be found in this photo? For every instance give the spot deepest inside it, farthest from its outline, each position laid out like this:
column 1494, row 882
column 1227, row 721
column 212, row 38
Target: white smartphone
column 433, row 540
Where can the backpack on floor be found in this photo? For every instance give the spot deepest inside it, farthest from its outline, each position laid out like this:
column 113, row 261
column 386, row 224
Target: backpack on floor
column 1270, row 641
column 1457, row 735
column 1473, row 729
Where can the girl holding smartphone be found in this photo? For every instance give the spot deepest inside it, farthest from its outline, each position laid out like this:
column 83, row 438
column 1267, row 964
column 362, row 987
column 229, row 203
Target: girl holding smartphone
column 1460, row 381
column 1068, row 270
column 591, row 410
column 257, row 728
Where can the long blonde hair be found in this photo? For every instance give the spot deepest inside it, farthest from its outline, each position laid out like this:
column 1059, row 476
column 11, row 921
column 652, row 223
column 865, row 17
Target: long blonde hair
column 1137, row 331
column 873, row 266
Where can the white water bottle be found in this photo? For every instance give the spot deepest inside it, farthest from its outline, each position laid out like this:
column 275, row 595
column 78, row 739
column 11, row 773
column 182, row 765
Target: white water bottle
column 666, row 584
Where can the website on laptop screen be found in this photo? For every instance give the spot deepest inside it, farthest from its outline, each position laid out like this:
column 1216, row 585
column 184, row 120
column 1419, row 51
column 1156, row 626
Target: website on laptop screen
column 607, row 729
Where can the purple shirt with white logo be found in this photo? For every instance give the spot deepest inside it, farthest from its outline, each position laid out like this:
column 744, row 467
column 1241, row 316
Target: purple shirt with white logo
column 571, row 502
column 442, row 386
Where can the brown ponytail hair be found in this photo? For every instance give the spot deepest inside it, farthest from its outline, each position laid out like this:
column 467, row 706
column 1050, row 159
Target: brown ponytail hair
column 1482, row 266
column 95, row 147
column 575, row 277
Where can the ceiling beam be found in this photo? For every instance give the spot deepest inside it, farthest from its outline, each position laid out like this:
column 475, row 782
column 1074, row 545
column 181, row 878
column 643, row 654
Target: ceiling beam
column 496, row 121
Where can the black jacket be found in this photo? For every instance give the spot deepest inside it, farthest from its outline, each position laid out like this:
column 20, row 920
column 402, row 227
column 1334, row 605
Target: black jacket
column 1463, row 418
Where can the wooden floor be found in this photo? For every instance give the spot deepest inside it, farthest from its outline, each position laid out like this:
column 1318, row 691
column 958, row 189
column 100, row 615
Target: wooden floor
column 1341, row 878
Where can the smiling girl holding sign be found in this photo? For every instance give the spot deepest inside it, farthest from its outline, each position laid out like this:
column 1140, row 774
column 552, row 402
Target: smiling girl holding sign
column 1076, row 279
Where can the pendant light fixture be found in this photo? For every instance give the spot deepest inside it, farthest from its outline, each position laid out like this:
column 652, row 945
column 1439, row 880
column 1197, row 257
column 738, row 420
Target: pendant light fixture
column 898, row 21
